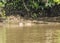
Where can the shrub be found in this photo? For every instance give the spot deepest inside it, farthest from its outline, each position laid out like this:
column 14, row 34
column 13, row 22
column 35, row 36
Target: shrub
column 30, row 6
column 2, row 5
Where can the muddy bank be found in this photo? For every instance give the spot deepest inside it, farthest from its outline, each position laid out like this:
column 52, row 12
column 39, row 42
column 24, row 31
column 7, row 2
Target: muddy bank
column 16, row 21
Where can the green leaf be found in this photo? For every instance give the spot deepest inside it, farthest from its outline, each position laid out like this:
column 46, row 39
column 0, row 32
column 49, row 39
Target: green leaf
column 36, row 5
column 57, row 1
column 4, row 1
column 1, row 4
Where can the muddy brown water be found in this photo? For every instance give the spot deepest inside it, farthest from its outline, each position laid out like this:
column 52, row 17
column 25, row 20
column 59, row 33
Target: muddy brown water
column 35, row 34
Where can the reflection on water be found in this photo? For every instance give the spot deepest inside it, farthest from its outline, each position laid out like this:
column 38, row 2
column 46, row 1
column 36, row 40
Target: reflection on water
column 2, row 35
column 34, row 34
column 49, row 34
column 57, row 36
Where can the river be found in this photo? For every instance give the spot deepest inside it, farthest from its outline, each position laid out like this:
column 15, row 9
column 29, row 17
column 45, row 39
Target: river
column 43, row 33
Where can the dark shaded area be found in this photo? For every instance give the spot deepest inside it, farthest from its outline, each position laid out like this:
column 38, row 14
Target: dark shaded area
column 47, row 12
column 27, row 9
column 32, row 9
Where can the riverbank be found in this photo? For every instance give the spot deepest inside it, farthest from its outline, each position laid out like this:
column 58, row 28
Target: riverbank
column 19, row 30
column 17, row 21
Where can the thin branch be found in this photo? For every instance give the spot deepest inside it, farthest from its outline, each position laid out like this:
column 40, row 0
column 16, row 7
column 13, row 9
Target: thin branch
column 25, row 6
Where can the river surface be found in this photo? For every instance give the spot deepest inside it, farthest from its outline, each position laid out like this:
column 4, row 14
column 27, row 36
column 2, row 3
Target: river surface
column 43, row 33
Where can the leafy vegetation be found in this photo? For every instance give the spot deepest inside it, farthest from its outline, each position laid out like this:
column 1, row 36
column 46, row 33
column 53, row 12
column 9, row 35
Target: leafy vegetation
column 30, row 8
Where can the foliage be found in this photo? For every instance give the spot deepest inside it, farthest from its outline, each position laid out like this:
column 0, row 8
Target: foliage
column 29, row 7
column 2, row 5
column 57, row 1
